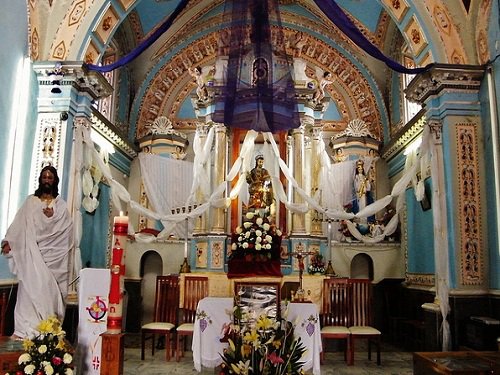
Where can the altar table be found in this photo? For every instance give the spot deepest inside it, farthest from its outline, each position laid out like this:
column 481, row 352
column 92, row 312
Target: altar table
column 214, row 313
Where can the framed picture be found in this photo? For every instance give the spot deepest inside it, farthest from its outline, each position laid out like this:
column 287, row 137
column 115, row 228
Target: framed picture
column 256, row 298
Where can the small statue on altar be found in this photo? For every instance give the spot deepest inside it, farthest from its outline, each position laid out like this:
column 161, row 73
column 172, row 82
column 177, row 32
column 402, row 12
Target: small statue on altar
column 260, row 187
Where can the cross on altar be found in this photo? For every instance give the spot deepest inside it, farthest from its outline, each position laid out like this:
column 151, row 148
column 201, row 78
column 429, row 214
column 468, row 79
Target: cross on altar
column 300, row 254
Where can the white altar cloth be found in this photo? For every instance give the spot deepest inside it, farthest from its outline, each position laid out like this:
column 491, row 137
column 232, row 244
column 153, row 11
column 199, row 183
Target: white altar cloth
column 214, row 313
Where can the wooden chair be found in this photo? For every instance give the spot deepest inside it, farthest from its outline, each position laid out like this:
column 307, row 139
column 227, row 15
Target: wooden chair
column 165, row 314
column 3, row 311
column 361, row 317
column 335, row 315
column 195, row 289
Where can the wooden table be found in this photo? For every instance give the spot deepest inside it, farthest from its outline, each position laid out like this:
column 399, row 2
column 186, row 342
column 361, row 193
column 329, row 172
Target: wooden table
column 456, row 363
column 10, row 350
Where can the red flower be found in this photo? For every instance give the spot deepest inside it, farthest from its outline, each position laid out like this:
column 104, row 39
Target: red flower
column 274, row 358
column 56, row 361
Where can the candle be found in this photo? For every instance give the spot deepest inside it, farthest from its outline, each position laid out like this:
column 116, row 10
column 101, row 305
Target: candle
column 185, row 248
column 120, row 224
column 117, row 288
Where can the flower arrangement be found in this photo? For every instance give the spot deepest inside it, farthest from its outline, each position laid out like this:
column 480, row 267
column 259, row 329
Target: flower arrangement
column 317, row 264
column 48, row 353
column 261, row 346
column 257, row 239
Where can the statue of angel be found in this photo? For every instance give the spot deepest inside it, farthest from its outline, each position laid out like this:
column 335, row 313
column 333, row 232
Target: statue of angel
column 324, row 79
column 202, row 76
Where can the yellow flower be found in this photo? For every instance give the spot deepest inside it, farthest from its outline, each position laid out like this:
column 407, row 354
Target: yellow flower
column 27, row 344
column 241, row 368
column 264, row 323
column 61, row 344
column 246, row 350
column 231, row 344
column 277, row 344
column 251, row 338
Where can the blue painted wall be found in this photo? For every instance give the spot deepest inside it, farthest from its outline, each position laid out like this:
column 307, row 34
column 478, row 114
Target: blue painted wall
column 420, row 235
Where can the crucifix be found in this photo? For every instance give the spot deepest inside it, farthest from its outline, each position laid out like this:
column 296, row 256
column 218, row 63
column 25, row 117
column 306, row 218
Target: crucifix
column 299, row 253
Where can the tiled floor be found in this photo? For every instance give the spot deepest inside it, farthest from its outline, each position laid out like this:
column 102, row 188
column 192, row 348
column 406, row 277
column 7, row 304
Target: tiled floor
column 393, row 362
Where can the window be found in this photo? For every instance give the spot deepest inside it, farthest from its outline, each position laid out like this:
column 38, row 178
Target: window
column 410, row 109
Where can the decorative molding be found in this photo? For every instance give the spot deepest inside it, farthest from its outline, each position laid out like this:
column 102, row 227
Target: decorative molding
column 105, row 129
column 355, row 128
column 444, row 76
column 170, row 86
column 422, row 279
column 73, row 74
column 404, row 137
column 471, row 253
column 436, row 127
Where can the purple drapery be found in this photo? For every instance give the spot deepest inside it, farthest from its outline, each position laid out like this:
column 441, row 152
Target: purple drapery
column 329, row 7
column 258, row 92
column 340, row 19
column 267, row 103
column 143, row 45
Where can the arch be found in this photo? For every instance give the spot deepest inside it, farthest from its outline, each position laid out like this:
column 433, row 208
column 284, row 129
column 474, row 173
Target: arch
column 169, row 85
column 151, row 265
column 361, row 267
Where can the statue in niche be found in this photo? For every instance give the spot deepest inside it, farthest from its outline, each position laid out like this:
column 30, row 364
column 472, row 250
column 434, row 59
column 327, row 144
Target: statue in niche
column 362, row 189
column 259, row 185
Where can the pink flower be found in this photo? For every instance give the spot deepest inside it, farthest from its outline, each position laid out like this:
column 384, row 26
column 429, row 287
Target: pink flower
column 274, row 358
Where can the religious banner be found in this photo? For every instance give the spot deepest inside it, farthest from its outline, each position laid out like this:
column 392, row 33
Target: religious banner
column 93, row 305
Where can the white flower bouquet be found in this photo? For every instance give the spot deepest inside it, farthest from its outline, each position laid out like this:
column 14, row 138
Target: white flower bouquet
column 48, row 353
column 256, row 239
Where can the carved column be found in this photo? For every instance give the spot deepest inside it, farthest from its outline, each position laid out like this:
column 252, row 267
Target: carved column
column 201, row 221
column 220, row 161
column 316, row 223
column 298, row 219
column 451, row 97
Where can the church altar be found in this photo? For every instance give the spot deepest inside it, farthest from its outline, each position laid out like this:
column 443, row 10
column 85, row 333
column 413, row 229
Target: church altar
column 214, row 313
column 219, row 285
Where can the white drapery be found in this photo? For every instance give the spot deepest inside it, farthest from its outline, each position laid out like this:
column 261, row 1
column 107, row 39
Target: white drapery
column 165, row 181
column 429, row 152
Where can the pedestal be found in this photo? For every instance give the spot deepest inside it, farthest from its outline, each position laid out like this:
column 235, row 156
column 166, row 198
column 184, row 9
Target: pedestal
column 112, row 354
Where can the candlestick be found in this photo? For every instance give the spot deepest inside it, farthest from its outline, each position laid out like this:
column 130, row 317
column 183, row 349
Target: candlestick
column 117, row 289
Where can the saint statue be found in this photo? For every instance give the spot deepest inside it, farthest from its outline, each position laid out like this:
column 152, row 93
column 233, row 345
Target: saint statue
column 259, row 185
column 362, row 189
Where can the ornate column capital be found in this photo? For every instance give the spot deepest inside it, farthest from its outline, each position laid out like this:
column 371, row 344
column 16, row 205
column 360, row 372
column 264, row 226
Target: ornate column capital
column 436, row 127
column 57, row 75
column 444, row 76
column 202, row 129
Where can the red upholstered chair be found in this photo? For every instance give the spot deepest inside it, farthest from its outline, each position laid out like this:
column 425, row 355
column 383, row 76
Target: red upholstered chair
column 361, row 316
column 165, row 314
column 335, row 314
column 195, row 289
